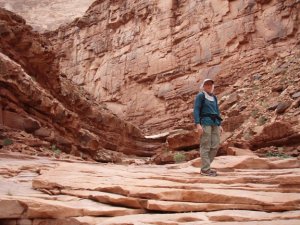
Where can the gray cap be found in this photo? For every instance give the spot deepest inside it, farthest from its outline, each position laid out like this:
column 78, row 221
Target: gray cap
column 207, row 80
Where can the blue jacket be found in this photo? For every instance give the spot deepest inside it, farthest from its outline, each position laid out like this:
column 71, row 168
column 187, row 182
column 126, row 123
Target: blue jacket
column 208, row 108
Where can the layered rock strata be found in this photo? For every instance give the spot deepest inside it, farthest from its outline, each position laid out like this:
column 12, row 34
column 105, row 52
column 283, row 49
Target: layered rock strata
column 248, row 190
column 47, row 15
column 146, row 59
column 36, row 98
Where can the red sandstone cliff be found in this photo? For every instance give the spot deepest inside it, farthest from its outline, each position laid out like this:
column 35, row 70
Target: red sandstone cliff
column 145, row 59
column 36, row 98
column 47, row 14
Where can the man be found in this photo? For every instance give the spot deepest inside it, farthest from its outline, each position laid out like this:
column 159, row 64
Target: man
column 208, row 123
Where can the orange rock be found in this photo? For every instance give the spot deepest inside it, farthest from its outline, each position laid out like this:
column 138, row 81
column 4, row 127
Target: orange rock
column 277, row 133
column 240, row 151
column 245, row 190
column 183, row 140
column 37, row 98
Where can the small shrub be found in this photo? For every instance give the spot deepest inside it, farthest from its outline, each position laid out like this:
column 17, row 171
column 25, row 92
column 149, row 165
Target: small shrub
column 56, row 150
column 7, row 142
column 247, row 135
column 179, row 157
column 254, row 113
column 262, row 120
column 277, row 154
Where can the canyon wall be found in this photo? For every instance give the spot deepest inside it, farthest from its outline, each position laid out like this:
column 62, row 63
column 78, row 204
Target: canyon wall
column 146, row 59
column 42, row 109
column 47, row 14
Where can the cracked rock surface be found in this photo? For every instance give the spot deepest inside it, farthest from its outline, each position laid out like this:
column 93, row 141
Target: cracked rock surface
column 248, row 190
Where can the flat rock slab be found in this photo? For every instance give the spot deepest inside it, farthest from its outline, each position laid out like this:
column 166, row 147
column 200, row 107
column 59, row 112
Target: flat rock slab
column 248, row 189
column 227, row 218
column 59, row 207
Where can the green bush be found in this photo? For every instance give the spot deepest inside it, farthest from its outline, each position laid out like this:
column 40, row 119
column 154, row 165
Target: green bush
column 56, row 150
column 262, row 120
column 7, row 142
column 277, row 154
column 179, row 157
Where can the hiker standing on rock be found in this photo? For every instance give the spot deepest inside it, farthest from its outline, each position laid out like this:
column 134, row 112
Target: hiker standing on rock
column 208, row 122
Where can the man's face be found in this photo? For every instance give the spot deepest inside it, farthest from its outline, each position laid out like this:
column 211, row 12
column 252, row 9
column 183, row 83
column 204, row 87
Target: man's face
column 208, row 86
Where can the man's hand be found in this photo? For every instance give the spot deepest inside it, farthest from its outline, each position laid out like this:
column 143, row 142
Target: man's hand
column 199, row 129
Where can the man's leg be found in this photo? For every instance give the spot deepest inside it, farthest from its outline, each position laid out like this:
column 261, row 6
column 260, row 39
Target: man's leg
column 215, row 142
column 205, row 146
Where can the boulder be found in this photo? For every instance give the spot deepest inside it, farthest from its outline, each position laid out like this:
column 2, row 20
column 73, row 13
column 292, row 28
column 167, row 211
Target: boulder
column 277, row 133
column 18, row 121
column 240, row 152
column 278, row 88
column 282, row 107
column 183, row 140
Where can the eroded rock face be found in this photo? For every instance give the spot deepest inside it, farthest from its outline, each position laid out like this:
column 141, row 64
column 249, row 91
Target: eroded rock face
column 183, row 140
column 37, row 99
column 150, row 78
column 248, row 190
column 146, row 59
column 47, row 15
column 29, row 49
column 278, row 133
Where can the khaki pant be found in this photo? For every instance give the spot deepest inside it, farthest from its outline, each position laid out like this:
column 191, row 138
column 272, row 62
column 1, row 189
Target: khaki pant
column 209, row 144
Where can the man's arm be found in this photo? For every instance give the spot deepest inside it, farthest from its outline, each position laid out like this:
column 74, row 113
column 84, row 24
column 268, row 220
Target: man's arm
column 197, row 106
column 219, row 114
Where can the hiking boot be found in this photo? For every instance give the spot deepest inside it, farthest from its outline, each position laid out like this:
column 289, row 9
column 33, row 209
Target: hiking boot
column 210, row 173
column 213, row 170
